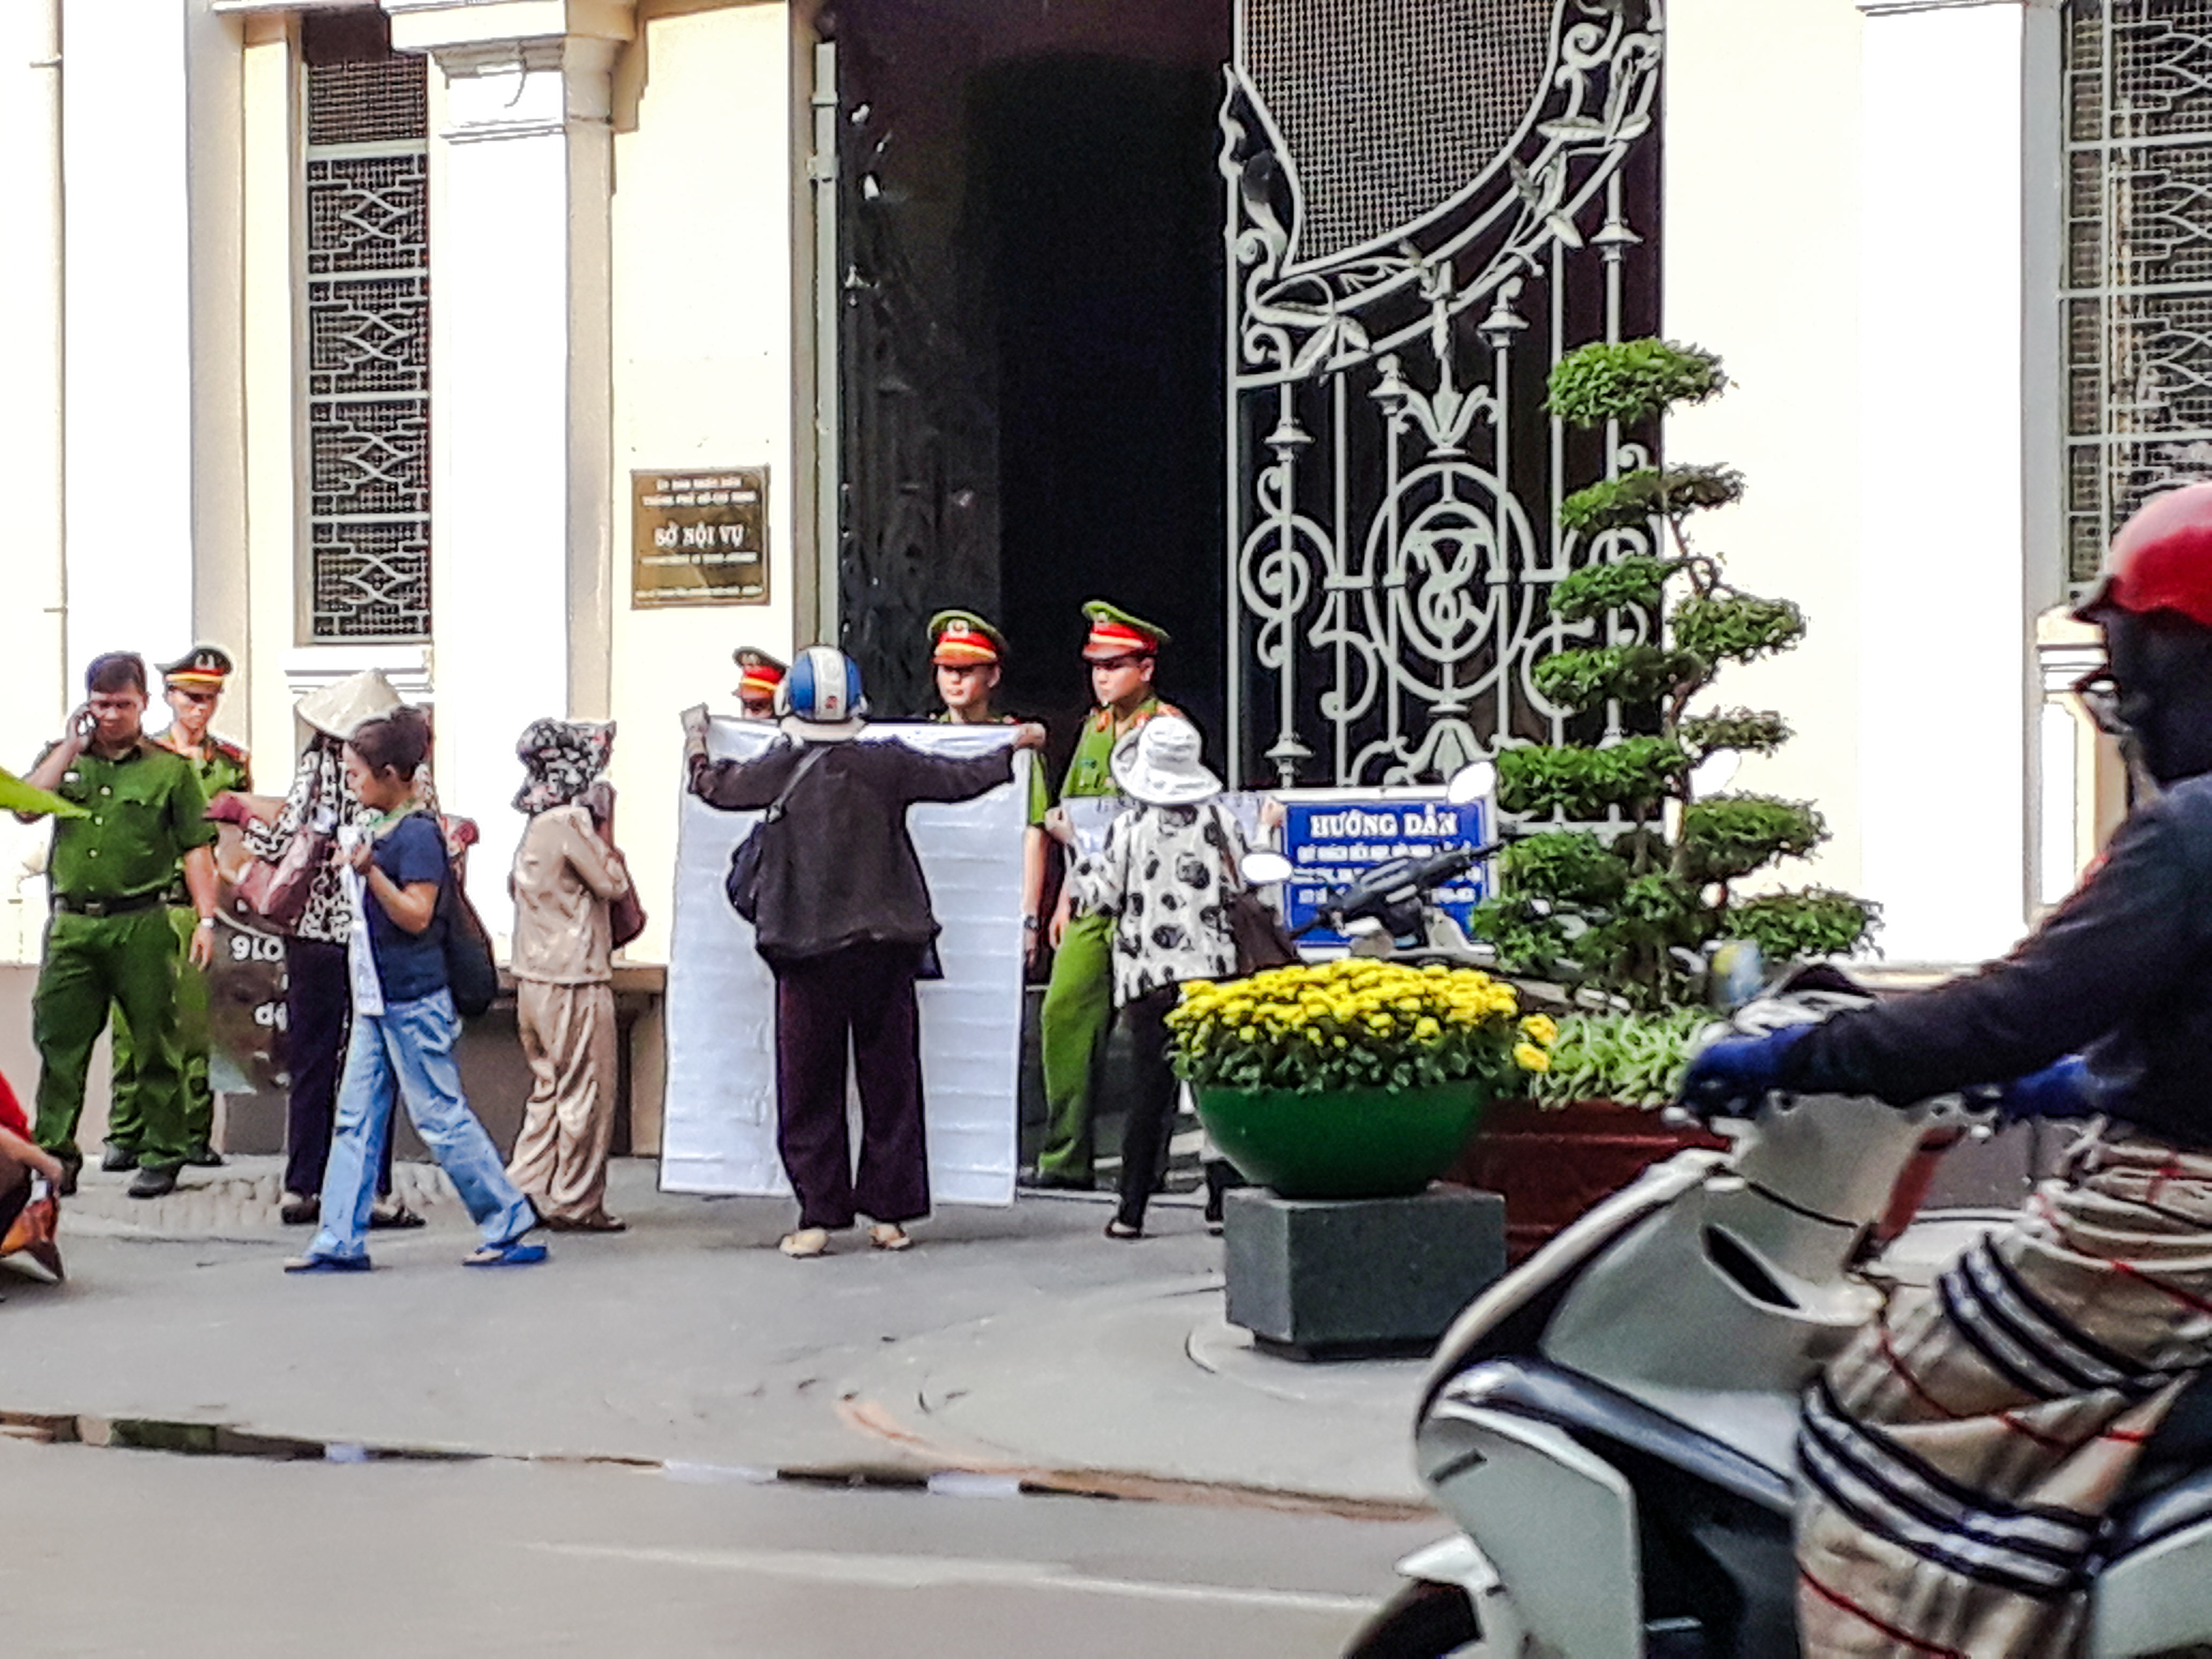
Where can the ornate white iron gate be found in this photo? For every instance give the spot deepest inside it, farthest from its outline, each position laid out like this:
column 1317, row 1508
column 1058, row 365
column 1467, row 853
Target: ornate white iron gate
column 2139, row 261
column 1428, row 202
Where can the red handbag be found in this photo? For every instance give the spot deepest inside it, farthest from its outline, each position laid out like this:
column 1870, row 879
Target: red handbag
column 274, row 891
column 625, row 917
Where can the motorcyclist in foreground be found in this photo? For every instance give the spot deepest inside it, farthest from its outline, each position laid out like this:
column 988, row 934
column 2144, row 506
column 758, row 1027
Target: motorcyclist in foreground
column 1959, row 1456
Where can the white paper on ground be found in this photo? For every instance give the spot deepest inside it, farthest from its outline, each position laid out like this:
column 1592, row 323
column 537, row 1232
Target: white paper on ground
column 717, row 1131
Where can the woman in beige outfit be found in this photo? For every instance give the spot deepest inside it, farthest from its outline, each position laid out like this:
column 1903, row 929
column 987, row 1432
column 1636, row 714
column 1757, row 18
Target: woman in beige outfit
column 567, row 874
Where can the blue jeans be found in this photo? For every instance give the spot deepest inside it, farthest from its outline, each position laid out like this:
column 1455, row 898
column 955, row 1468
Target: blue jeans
column 408, row 1050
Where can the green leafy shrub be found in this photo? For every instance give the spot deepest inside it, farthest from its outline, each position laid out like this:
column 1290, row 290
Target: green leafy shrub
column 1736, row 627
column 1747, row 731
column 1634, row 909
column 1588, row 783
column 1636, row 498
column 1634, row 583
column 1729, row 836
column 1819, row 922
column 1619, row 673
column 1636, row 1059
column 1632, row 382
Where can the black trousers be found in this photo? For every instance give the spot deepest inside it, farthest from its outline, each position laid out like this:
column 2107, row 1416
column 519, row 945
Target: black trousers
column 862, row 996
column 317, row 1008
column 1152, row 1111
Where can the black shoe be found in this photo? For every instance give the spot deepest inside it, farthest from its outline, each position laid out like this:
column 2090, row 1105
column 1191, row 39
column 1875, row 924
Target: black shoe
column 117, row 1158
column 150, row 1182
column 390, row 1213
column 66, row 1186
column 203, row 1156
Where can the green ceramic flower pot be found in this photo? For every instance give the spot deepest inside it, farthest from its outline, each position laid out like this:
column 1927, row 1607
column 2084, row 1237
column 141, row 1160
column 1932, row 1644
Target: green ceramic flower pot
column 1343, row 1143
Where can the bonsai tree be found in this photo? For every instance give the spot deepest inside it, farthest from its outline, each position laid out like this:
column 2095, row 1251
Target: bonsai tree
column 1642, row 872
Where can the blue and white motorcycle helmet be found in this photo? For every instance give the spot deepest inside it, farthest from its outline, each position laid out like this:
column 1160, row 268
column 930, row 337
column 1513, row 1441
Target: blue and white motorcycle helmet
column 821, row 697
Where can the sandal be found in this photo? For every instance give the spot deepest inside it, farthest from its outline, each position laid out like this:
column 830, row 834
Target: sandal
column 327, row 1264
column 600, row 1223
column 516, row 1252
column 890, row 1235
column 389, row 1213
column 1118, row 1228
column 807, row 1242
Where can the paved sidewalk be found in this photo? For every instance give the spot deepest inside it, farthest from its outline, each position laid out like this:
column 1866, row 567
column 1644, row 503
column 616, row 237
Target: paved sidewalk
column 1010, row 1343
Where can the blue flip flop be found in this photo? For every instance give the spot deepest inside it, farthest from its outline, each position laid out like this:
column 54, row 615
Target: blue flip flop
column 327, row 1264
column 515, row 1252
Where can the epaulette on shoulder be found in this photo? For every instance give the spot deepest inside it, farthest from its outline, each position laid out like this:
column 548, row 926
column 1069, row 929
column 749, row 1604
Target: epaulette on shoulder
column 229, row 750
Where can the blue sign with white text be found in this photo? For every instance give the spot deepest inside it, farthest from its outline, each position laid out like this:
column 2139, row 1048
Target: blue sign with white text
column 1333, row 841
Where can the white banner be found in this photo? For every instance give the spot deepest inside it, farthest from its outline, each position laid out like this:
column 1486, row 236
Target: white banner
column 718, row 1131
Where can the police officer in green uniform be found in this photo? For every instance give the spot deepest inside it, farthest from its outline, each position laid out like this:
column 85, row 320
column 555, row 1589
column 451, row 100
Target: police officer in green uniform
column 966, row 655
column 192, row 686
column 1123, row 653
column 109, row 940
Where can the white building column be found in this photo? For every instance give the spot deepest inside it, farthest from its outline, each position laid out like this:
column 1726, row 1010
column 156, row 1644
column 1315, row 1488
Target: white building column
column 154, row 464
column 1957, row 384
column 520, row 386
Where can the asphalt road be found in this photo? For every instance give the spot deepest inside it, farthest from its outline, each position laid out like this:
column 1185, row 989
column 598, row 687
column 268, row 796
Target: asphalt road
column 119, row 1552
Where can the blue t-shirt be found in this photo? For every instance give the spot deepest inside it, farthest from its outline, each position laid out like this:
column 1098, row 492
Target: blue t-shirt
column 411, row 965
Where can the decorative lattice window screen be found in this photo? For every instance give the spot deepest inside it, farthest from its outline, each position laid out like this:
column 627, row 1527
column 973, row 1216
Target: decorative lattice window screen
column 367, row 379
column 1392, row 107
column 2139, row 260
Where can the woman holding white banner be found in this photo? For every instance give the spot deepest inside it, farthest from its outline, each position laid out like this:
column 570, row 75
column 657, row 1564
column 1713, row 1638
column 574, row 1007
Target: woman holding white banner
column 843, row 918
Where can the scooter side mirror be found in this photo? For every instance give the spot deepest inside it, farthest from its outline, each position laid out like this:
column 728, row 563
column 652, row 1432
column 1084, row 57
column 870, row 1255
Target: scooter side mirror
column 1471, row 783
column 1264, row 868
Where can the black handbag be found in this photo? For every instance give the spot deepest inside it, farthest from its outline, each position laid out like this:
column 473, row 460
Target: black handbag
column 472, row 974
column 742, row 885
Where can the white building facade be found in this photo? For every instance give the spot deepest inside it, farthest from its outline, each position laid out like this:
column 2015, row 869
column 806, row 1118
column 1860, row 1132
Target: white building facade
column 340, row 332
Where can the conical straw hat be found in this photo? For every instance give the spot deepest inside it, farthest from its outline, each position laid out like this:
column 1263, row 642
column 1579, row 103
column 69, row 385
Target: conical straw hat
column 338, row 708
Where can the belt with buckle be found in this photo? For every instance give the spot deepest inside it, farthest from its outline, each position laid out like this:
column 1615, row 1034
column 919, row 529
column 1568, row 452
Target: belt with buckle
column 108, row 907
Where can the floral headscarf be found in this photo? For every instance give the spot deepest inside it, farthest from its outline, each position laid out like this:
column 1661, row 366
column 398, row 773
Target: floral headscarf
column 564, row 758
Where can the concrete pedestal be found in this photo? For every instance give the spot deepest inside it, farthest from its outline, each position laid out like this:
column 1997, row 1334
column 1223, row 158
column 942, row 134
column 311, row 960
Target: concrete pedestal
column 1358, row 1278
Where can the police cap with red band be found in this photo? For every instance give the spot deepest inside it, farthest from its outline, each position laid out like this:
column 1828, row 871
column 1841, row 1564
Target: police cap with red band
column 2161, row 560
column 1114, row 633
column 759, row 674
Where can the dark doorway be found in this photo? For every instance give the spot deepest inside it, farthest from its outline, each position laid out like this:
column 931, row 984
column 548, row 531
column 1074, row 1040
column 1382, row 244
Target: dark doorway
column 1031, row 354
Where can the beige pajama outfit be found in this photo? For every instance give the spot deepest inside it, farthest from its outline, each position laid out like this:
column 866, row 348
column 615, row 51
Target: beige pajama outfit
column 565, row 876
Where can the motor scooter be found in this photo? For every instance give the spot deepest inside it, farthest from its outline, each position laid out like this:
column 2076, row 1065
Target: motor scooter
column 1612, row 1424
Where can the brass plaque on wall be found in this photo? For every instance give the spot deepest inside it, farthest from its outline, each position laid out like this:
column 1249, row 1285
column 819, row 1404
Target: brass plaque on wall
column 699, row 536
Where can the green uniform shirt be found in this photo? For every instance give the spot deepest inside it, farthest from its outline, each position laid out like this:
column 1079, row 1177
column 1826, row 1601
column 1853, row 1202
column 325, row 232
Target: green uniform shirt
column 1040, row 791
column 225, row 766
column 1090, row 770
column 147, row 811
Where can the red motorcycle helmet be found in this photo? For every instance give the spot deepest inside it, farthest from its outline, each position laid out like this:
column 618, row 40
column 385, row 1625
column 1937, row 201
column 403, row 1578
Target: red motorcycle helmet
column 2161, row 560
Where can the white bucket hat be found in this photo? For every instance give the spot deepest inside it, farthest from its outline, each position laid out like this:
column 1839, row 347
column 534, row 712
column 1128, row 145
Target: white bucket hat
column 1159, row 763
column 338, row 709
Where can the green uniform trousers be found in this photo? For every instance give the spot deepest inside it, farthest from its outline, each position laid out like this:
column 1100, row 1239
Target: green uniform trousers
column 92, row 962
column 126, row 1119
column 1078, row 1013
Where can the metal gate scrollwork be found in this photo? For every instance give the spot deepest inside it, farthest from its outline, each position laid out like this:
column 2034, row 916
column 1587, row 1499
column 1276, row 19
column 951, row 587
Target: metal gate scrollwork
column 1428, row 204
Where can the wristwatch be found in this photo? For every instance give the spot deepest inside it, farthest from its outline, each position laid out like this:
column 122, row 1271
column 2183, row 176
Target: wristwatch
column 1029, row 924
column 206, row 921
